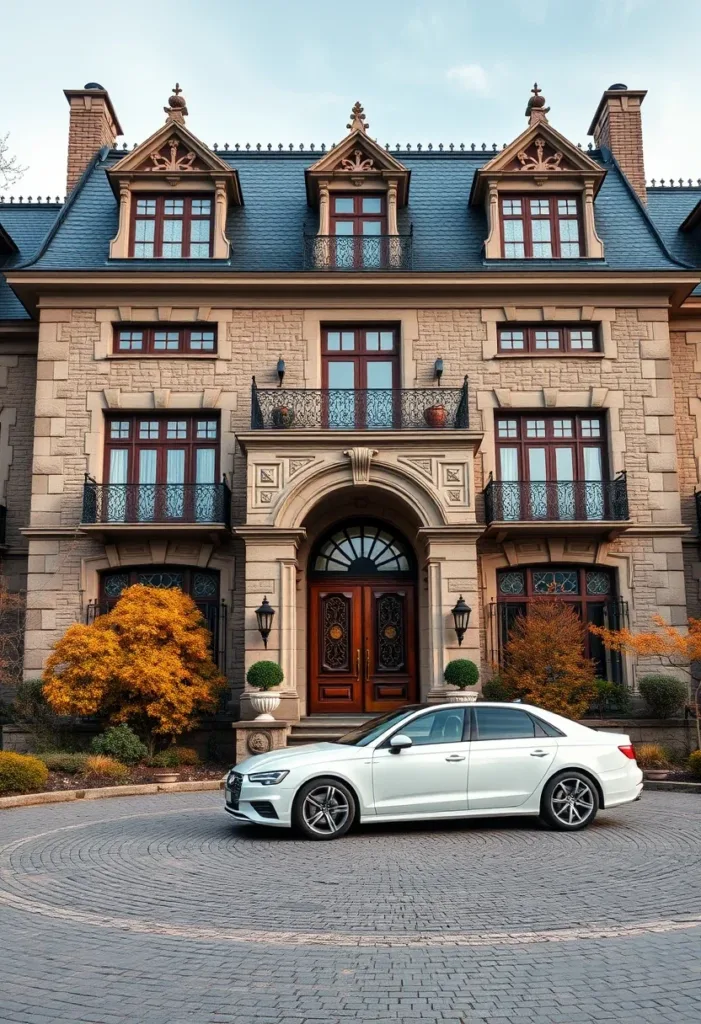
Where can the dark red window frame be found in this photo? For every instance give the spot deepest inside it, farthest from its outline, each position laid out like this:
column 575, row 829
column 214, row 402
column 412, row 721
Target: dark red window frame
column 134, row 443
column 565, row 347
column 188, row 335
column 551, row 442
column 553, row 218
column 357, row 217
column 160, row 217
column 361, row 357
column 135, row 572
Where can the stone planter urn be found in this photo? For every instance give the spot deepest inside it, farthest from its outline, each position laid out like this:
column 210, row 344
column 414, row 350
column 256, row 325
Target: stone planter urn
column 283, row 417
column 436, row 416
column 166, row 776
column 656, row 774
column 463, row 696
column 264, row 703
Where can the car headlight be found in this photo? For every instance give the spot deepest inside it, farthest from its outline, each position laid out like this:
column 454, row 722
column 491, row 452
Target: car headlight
column 267, row 778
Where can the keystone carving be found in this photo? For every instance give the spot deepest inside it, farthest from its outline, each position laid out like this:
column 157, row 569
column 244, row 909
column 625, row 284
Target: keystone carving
column 360, row 459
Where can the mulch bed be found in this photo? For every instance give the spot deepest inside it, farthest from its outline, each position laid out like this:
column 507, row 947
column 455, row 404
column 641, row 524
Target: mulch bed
column 137, row 775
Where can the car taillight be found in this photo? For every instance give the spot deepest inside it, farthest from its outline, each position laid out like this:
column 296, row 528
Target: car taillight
column 629, row 751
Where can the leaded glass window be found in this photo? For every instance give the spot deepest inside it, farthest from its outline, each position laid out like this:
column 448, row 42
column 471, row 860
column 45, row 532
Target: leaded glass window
column 512, row 583
column 563, row 581
column 363, row 549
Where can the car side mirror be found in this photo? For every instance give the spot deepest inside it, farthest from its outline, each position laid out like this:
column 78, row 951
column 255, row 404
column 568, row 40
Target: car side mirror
column 399, row 743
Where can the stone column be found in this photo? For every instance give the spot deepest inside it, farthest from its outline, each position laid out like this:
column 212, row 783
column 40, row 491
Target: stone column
column 271, row 571
column 451, row 563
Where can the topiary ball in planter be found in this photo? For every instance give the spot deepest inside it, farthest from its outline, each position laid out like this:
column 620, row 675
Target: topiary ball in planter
column 462, row 673
column 264, row 675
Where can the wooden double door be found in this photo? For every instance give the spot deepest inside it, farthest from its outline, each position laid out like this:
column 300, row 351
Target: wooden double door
column 362, row 645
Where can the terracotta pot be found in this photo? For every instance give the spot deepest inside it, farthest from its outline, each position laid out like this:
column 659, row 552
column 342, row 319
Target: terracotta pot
column 436, row 416
column 463, row 696
column 166, row 776
column 264, row 703
column 656, row 774
column 282, row 416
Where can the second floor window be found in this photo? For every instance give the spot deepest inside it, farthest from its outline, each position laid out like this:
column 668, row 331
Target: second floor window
column 546, row 227
column 547, row 340
column 171, row 227
column 156, row 340
column 360, row 369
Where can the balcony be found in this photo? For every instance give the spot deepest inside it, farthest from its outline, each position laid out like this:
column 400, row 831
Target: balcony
column 573, row 507
column 359, row 253
column 351, row 409
column 143, row 507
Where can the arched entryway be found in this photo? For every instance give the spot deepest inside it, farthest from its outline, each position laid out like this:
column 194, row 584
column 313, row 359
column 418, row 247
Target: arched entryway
column 362, row 619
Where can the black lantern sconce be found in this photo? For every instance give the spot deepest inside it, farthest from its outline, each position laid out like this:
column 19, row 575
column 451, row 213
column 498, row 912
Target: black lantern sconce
column 264, row 618
column 438, row 370
column 461, row 618
column 280, row 371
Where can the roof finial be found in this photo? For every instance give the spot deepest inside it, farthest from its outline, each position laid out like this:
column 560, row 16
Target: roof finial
column 535, row 108
column 358, row 122
column 177, row 107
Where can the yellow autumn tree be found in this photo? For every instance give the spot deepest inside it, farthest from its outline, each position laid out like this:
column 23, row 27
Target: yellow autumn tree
column 663, row 642
column 147, row 662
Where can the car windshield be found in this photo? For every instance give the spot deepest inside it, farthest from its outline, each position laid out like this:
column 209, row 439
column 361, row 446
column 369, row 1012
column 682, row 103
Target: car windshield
column 369, row 731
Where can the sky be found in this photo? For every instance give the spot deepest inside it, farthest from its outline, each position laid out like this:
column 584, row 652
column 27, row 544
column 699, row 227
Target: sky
column 289, row 71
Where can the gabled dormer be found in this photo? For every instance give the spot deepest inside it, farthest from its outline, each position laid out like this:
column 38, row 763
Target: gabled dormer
column 173, row 194
column 358, row 183
column 539, row 195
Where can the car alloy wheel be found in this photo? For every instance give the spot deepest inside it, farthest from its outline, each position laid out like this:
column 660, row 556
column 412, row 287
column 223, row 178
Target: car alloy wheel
column 572, row 801
column 326, row 810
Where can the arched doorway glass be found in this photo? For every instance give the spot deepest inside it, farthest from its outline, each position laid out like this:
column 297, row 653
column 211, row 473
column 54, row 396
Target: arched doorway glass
column 362, row 614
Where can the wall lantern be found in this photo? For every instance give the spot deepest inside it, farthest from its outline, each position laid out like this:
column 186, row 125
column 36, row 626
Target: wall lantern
column 438, row 369
column 264, row 618
column 461, row 618
column 280, row 371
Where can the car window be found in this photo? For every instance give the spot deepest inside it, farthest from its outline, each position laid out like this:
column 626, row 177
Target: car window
column 503, row 724
column 444, row 726
column 543, row 728
column 369, row 731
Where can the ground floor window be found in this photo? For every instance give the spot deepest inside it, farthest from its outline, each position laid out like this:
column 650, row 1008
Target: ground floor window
column 201, row 584
column 589, row 590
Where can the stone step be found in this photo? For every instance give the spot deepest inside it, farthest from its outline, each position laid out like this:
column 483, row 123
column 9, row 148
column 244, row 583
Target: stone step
column 324, row 728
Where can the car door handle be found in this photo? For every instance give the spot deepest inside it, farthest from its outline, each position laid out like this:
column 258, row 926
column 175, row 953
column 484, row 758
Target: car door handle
column 455, row 757
column 539, row 753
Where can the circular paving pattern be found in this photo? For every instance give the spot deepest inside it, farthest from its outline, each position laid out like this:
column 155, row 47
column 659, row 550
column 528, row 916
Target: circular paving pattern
column 183, row 869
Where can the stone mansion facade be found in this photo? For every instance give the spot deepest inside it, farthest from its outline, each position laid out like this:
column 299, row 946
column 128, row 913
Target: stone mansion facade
column 359, row 381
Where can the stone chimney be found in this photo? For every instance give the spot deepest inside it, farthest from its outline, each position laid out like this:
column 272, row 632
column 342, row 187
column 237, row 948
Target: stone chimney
column 617, row 124
column 93, row 124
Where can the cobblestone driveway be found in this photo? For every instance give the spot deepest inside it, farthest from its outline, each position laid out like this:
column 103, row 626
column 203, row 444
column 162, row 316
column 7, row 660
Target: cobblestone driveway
column 159, row 910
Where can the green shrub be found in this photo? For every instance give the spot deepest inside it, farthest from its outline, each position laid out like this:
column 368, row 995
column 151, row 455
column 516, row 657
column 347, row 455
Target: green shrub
column 695, row 764
column 62, row 761
column 31, row 709
column 186, row 756
column 663, row 695
column 651, row 755
column 610, row 699
column 461, row 673
column 120, row 742
column 108, row 768
column 496, row 689
column 264, row 675
column 21, row 773
column 165, row 759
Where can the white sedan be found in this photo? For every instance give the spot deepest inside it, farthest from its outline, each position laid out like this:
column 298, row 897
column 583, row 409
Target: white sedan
column 447, row 761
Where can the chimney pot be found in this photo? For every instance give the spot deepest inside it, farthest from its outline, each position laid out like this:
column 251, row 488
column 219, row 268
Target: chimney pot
column 617, row 125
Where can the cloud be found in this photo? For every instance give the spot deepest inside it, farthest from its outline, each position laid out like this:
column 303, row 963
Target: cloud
column 471, row 77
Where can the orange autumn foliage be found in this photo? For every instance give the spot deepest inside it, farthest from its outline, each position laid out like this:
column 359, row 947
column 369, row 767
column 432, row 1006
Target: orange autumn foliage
column 147, row 662
column 545, row 660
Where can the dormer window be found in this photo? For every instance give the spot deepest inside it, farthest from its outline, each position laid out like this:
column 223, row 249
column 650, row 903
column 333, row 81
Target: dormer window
column 172, row 227
column 546, row 227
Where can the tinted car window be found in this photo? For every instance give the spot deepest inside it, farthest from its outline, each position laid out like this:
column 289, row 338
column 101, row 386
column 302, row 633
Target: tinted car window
column 443, row 726
column 503, row 724
column 543, row 728
column 369, row 731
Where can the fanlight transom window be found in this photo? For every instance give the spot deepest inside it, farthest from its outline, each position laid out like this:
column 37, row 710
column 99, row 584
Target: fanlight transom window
column 362, row 549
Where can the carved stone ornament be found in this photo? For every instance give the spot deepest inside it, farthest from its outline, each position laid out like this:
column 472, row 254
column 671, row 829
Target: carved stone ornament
column 177, row 107
column 357, row 121
column 174, row 162
column 539, row 162
column 359, row 162
column 360, row 459
column 259, row 742
column 535, row 108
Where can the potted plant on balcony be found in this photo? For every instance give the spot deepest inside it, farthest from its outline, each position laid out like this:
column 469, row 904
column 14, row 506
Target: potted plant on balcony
column 282, row 416
column 462, row 673
column 264, row 676
column 436, row 416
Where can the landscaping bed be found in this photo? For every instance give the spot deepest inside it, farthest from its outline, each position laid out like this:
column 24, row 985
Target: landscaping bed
column 139, row 774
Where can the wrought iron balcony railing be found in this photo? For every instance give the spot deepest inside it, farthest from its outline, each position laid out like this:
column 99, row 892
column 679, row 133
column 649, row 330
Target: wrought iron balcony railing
column 353, row 409
column 3, row 523
column 578, row 500
column 214, row 615
column 358, row 252
column 161, row 504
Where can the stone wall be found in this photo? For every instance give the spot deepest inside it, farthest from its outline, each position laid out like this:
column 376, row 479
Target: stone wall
column 17, row 390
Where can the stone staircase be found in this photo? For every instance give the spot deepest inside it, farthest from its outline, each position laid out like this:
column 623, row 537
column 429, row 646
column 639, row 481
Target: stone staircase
column 324, row 728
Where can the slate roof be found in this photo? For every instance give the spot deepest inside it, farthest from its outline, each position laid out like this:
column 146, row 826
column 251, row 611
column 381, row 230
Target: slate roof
column 27, row 224
column 668, row 208
column 267, row 231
